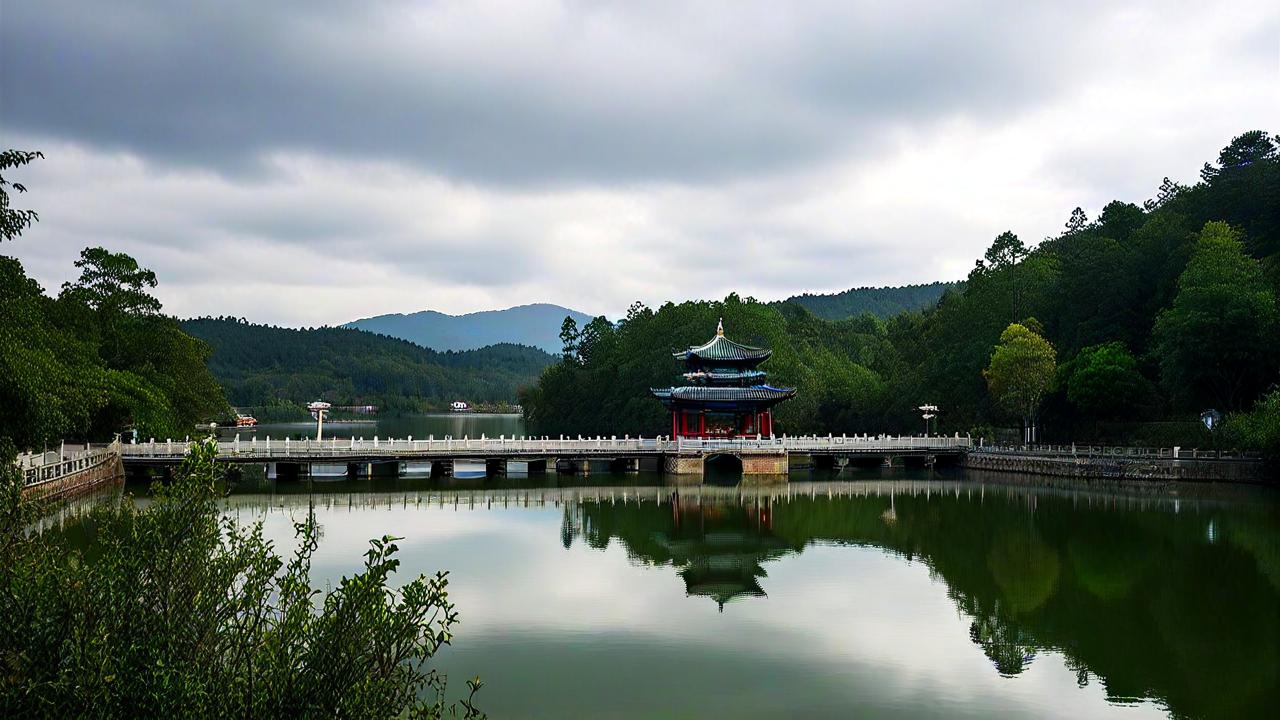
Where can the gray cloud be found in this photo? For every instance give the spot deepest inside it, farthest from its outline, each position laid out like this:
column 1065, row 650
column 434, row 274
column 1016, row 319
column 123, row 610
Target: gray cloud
column 311, row 162
column 526, row 92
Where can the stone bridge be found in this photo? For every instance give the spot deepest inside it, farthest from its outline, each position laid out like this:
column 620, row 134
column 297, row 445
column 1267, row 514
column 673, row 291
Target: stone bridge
column 762, row 456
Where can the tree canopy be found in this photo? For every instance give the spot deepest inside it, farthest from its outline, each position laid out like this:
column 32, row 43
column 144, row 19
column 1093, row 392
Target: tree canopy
column 1214, row 341
column 1021, row 371
column 74, row 370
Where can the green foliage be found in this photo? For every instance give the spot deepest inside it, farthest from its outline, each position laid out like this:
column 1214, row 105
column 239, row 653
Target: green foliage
column 177, row 610
column 882, row 302
column 1103, row 381
column 838, row 367
column 1021, row 371
column 69, row 370
column 1217, row 342
column 112, row 284
column 13, row 221
column 1258, row 429
column 263, row 365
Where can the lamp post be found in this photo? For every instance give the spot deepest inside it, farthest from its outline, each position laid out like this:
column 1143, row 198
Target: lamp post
column 318, row 409
column 1211, row 419
column 928, row 412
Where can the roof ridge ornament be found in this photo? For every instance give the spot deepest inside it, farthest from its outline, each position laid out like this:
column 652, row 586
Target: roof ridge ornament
column 720, row 328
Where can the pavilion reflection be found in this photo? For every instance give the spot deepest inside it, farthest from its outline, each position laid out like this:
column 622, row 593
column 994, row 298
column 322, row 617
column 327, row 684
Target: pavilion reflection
column 718, row 545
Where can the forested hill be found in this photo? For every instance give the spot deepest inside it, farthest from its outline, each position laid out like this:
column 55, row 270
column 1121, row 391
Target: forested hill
column 1123, row 327
column 537, row 325
column 263, row 365
column 883, row 302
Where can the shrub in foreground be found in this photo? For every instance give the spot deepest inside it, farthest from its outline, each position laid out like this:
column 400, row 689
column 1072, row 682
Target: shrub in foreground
column 174, row 610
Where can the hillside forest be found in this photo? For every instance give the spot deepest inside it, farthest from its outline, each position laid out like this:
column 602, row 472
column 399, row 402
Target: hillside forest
column 1128, row 326
column 882, row 302
column 263, row 365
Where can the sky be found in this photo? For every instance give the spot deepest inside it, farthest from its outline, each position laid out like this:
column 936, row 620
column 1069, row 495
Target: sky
column 309, row 163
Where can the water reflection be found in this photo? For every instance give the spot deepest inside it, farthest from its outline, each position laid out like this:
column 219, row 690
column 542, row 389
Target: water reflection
column 717, row 543
column 1136, row 592
column 880, row 598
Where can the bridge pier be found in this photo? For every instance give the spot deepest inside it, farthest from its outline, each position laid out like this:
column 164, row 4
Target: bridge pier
column 687, row 465
column 762, row 464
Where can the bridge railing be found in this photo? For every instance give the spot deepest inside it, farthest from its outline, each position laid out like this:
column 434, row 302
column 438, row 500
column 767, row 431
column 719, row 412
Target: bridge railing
column 1119, row 452
column 269, row 447
column 830, row 443
column 40, row 469
column 408, row 447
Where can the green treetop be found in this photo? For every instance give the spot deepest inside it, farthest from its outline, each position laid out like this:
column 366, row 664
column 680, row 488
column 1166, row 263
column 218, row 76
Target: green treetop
column 1020, row 373
column 1103, row 381
column 1216, row 343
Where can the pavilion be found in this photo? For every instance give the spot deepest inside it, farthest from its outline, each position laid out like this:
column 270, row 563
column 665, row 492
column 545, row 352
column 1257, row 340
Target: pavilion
column 725, row 395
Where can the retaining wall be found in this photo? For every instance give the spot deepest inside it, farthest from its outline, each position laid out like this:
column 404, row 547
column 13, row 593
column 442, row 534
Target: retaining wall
column 1122, row 468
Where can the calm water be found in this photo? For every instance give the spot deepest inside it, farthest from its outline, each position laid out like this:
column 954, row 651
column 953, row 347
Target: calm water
column 857, row 595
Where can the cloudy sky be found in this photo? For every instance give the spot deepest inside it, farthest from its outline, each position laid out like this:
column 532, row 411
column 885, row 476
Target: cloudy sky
column 307, row 163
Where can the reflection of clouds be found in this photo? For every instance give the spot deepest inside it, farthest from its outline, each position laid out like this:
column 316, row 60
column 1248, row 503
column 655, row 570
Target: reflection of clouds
column 876, row 626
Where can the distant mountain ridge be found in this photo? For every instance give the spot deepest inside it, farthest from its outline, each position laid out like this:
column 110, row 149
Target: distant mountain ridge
column 262, row 364
column 536, row 325
column 883, row 302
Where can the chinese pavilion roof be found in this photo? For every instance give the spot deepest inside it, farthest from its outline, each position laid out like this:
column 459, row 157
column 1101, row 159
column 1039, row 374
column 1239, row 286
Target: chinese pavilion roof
column 723, row 349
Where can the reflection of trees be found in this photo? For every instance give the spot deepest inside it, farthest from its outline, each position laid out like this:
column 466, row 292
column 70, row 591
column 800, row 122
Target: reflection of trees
column 1024, row 568
column 1004, row 642
column 1138, row 598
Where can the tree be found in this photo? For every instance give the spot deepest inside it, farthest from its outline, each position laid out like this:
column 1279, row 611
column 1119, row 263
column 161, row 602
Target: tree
column 1244, row 150
column 1167, row 191
column 113, row 284
column 1078, row 222
column 1119, row 219
column 1260, row 428
column 180, row 611
column 1103, row 381
column 13, row 222
column 1020, row 373
column 569, row 338
column 1215, row 343
column 1005, row 251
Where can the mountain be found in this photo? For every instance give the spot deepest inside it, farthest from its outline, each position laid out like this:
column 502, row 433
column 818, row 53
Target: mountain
column 883, row 302
column 265, row 365
column 537, row 325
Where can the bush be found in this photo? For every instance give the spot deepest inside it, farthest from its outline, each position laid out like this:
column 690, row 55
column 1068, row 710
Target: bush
column 1260, row 428
column 175, row 610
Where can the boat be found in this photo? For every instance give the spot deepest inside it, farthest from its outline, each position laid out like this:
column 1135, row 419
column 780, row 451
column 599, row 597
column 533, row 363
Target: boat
column 246, row 421
column 459, row 406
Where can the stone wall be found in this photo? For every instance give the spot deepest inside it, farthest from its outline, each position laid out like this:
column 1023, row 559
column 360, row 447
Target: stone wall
column 682, row 464
column 760, row 464
column 1122, row 468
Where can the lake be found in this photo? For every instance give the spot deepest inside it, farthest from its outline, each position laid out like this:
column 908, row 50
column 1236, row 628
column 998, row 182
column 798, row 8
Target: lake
column 869, row 594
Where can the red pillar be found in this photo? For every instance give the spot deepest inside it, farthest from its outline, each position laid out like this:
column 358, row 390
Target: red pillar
column 702, row 425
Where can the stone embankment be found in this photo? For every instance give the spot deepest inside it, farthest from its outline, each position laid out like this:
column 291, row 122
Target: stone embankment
column 1120, row 464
